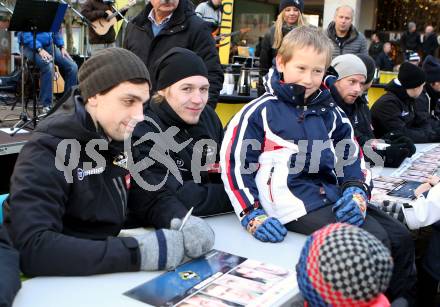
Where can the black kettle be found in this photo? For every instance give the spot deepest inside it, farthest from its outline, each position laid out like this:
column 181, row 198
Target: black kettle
column 244, row 82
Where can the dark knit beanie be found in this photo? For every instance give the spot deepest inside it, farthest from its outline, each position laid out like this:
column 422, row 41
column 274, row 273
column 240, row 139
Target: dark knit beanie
column 410, row 75
column 431, row 66
column 299, row 4
column 369, row 64
column 108, row 68
column 343, row 265
column 175, row 65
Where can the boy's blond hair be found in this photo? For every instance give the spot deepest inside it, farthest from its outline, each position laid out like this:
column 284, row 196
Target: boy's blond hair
column 278, row 34
column 305, row 36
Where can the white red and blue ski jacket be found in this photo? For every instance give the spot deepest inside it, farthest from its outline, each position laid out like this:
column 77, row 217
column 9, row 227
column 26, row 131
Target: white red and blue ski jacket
column 278, row 131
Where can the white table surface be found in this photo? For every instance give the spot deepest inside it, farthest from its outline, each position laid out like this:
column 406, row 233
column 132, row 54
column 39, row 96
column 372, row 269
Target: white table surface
column 106, row 290
column 386, row 171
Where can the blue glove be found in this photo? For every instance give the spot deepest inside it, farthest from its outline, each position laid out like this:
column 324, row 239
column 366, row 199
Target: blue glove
column 264, row 228
column 351, row 208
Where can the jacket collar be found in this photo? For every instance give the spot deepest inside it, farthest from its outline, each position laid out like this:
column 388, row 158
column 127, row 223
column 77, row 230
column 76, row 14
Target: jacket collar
column 294, row 93
column 396, row 88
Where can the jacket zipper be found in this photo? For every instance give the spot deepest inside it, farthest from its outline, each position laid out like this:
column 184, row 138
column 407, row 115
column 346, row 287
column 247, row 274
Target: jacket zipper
column 269, row 184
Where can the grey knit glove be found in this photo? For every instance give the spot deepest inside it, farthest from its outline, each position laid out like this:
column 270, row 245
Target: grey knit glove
column 198, row 237
column 160, row 250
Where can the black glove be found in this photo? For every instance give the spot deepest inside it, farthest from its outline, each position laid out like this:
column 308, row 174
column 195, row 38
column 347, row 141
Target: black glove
column 404, row 142
column 395, row 154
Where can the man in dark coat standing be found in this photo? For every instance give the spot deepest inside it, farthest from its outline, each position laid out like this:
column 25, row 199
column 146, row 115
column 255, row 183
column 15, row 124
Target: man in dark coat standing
column 159, row 27
column 430, row 43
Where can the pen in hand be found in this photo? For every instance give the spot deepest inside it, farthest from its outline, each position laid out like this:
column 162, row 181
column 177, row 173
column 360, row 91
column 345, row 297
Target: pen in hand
column 185, row 219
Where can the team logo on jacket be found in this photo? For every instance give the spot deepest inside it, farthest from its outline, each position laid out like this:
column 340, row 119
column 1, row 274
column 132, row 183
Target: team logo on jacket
column 94, row 171
column 404, row 113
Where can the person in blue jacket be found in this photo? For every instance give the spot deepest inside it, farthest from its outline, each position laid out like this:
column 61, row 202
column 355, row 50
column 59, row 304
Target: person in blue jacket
column 9, row 270
column 290, row 161
column 43, row 60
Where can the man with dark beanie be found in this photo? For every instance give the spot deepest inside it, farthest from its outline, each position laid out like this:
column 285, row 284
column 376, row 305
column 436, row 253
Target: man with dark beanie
column 165, row 24
column 347, row 89
column 395, row 111
column 431, row 67
column 70, row 186
column 181, row 78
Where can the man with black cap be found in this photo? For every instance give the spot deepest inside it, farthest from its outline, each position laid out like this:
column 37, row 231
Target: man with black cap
column 181, row 80
column 395, row 111
column 344, row 35
column 164, row 24
column 347, row 89
column 431, row 67
column 70, row 187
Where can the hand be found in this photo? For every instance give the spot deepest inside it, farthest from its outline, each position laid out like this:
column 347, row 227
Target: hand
column 161, row 249
column 404, row 142
column 351, row 208
column 198, row 237
column 433, row 180
column 424, row 187
column 45, row 55
column 264, row 228
column 64, row 53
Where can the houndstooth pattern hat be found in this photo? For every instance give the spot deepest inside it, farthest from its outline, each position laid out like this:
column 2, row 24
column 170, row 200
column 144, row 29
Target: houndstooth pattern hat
column 343, row 265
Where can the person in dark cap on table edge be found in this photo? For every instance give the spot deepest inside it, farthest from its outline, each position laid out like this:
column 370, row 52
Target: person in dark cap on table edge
column 395, row 111
column 347, row 90
column 179, row 103
column 70, row 187
column 430, row 103
column 353, row 269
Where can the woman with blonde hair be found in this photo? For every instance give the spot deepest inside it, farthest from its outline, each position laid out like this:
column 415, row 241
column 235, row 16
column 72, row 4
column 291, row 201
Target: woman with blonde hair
column 290, row 17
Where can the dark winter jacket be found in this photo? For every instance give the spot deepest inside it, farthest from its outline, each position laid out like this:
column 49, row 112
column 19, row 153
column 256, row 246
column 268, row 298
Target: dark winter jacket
column 354, row 44
column 430, row 44
column 434, row 101
column 395, row 112
column 94, row 10
column 9, row 270
column 185, row 29
column 66, row 222
column 410, row 41
column 268, row 53
column 384, row 62
column 206, row 194
column 428, row 106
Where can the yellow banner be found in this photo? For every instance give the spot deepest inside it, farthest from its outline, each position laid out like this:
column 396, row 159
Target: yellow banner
column 226, row 28
column 119, row 4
